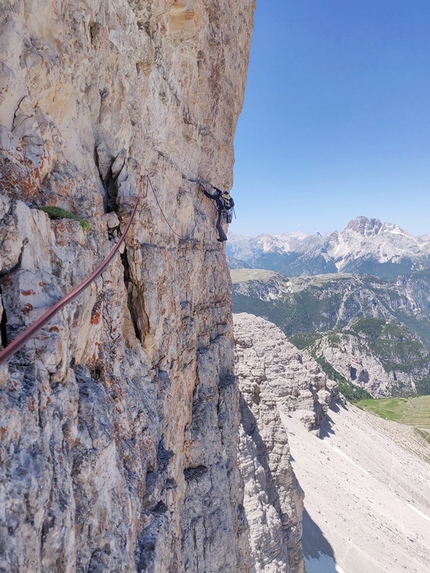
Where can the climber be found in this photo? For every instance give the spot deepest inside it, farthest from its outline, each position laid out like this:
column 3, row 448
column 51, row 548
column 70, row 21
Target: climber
column 224, row 203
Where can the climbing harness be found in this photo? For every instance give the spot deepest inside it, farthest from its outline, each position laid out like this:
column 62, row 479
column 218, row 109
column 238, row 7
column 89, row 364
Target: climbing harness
column 227, row 216
column 228, row 210
column 29, row 332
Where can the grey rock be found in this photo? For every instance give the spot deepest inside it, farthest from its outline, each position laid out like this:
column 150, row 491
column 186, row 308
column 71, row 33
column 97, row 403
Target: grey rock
column 118, row 163
column 105, row 412
column 275, row 380
column 104, row 160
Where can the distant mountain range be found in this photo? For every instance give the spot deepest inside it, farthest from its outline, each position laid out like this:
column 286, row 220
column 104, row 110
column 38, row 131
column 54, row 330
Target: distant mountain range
column 365, row 246
column 365, row 330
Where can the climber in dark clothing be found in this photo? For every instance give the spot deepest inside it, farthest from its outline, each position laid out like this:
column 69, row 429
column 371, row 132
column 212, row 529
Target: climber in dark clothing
column 224, row 205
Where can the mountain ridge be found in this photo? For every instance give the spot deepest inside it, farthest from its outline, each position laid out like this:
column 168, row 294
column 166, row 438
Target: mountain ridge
column 365, row 246
column 365, row 479
column 374, row 333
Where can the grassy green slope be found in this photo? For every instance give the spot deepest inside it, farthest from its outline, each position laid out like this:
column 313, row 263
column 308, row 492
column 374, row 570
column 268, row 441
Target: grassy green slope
column 413, row 412
column 245, row 275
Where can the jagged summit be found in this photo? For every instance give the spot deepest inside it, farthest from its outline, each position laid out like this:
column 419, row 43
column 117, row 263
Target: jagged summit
column 372, row 227
column 364, row 226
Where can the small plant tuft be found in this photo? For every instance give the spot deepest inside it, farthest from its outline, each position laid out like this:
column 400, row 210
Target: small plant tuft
column 59, row 213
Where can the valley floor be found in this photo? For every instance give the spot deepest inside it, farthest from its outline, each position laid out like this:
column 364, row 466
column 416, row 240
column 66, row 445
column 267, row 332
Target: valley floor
column 367, row 498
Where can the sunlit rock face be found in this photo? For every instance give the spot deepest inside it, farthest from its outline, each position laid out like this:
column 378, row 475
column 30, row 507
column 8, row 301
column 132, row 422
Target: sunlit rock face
column 275, row 381
column 119, row 419
column 266, row 361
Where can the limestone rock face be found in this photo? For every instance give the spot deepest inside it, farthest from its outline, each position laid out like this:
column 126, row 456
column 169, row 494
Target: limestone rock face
column 354, row 359
column 264, row 357
column 274, row 380
column 119, row 419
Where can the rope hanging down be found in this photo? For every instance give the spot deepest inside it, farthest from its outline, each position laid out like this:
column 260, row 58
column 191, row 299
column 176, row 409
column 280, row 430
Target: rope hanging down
column 161, row 210
column 198, row 180
column 20, row 340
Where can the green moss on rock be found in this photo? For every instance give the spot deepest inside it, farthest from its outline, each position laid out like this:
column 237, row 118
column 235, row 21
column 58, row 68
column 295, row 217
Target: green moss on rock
column 59, row 213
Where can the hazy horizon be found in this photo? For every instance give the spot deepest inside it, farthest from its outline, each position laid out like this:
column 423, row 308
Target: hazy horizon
column 233, row 230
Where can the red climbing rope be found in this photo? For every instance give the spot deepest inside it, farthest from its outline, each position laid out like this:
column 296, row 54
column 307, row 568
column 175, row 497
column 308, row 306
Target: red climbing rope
column 20, row 340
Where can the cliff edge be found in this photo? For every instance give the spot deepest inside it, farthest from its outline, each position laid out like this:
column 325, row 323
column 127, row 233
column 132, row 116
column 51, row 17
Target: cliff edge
column 119, row 419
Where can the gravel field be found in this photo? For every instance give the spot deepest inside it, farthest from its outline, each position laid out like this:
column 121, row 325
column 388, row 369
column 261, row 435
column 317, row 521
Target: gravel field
column 367, row 495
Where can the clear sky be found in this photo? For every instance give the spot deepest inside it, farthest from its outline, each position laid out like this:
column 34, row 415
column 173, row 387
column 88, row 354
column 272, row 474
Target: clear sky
column 336, row 121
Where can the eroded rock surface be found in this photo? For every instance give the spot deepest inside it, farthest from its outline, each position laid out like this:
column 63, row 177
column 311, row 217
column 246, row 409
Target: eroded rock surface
column 275, row 379
column 265, row 358
column 119, row 419
column 352, row 357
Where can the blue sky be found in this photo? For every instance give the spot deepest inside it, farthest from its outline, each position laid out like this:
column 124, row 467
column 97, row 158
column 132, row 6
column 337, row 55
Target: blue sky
column 336, row 121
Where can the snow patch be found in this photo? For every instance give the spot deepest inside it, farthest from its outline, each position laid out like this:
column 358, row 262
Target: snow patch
column 423, row 515
column 324, row 564
column 382, row 243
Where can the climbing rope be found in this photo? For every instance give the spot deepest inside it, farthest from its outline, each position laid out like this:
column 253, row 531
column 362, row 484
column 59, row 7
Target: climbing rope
column 163, row 170
column 29, row 332
column 198, row 180
column 161, row 210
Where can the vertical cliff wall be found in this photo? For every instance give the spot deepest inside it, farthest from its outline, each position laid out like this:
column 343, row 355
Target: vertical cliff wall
column 276, row 382
column 119, row 419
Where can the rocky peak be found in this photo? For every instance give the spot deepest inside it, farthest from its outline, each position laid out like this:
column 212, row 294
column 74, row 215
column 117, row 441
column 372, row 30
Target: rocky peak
column 394, row 229
column 364, row 246
column 364, row 226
